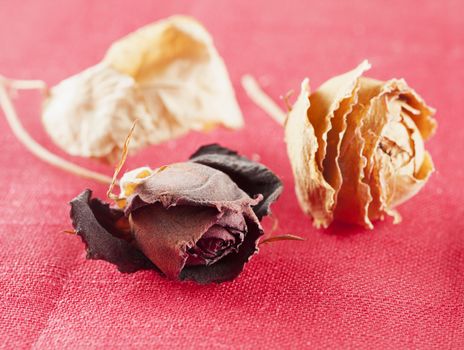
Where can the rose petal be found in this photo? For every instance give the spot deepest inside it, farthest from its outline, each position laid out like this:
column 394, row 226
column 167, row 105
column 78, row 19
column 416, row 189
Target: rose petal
column 215, row 244
column 252, row 177
column 96, row 223
column 330, row 106
column 168, row 75
column 231, row 266
column 384, row 182
column 190, row 183
column 314, row 193
column 165, row 234
column 354, row 196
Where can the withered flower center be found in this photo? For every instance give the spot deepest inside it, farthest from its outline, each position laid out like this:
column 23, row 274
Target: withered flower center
column 219, row 240
column 399, row 141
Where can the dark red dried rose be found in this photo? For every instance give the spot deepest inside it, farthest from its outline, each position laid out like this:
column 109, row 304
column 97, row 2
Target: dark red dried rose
column 197, row 220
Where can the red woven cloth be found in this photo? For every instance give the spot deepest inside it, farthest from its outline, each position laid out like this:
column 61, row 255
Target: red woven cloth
column 395, row 287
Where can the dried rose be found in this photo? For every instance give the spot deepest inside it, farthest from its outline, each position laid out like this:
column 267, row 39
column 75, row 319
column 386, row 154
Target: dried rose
column 356, row 146
column 168, row 75
column 197, row 220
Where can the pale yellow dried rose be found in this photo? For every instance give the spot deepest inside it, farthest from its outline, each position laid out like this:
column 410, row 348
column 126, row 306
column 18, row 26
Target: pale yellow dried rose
column 168, row 75
column 356, row 146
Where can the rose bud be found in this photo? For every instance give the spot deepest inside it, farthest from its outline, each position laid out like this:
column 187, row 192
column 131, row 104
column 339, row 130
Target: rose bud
column 198, row 220
column 356, row 146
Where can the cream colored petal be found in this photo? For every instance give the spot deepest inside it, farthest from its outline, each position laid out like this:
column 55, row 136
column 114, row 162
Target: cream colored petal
column 168, row 75
column 152, row 48
column 321, row 121
column 419, row 111
column 354, row 196
column 326, row 101
column 394, row 147
column 330, row 107
column 416, row 141
column 405, row 180
column 375, row 95
column 314, row 193
column 407, row 186
column 86, row 113
column 343, row 90
column 187, row 72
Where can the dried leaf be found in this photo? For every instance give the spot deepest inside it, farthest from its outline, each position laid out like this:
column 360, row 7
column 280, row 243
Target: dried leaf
column 168, row 75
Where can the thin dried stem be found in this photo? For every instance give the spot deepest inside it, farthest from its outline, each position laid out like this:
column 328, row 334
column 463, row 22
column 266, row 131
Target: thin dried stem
column 33, row 146
column 286, row 99
column 25, row 84
column 273, row 239
column 125, row 151
column 261, row 99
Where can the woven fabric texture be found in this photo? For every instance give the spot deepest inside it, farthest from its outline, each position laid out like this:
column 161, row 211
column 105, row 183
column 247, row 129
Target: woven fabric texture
column 396, row 287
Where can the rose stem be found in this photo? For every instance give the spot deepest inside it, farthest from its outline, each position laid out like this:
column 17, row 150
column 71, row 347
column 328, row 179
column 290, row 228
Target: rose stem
column 261, row 99
column 32, row 145
column 117, row 169
column 281, row 238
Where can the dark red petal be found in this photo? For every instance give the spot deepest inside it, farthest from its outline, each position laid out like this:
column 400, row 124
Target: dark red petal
column 190, row 184
column 165, row 235
column 99, row 226
column 214, row 245
column 231, row 265
column 252, row 177
column 233, row 220
column 218, row 233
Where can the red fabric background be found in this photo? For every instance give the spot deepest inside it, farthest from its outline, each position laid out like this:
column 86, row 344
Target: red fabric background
column 395, row 287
